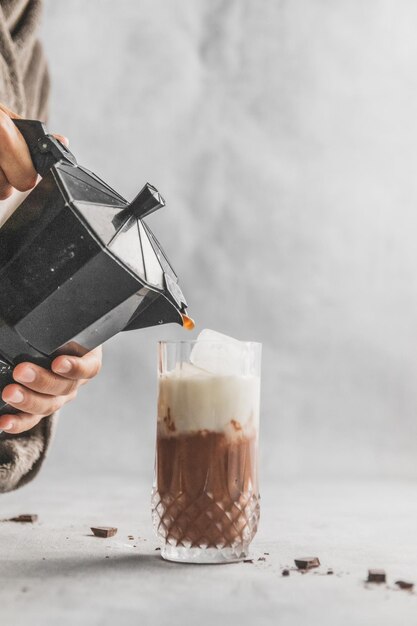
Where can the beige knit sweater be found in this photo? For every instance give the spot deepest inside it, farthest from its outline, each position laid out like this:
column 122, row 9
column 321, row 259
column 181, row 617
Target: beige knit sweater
column 24, row 88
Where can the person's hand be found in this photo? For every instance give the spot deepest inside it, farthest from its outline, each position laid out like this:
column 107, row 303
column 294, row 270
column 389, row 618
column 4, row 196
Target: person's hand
column 43, row 392
column 16, row 167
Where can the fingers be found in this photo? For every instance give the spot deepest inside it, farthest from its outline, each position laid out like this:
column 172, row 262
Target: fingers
column 16, row 167
column 15, row 160
column 19, row 423
column 78, row 368
column 33, row 402
column 42, row 380
column 42, row 392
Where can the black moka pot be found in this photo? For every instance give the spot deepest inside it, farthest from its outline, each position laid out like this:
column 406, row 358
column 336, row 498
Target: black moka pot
column 77, row 263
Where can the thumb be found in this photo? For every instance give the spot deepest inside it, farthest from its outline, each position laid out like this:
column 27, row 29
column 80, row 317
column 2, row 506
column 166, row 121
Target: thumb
column 15, row 116
column 62, row 139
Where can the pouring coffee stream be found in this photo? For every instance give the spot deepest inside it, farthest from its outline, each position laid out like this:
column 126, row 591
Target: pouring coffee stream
column 78, row 263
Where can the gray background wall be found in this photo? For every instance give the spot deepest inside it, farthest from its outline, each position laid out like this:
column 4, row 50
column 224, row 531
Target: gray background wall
column 283, row 135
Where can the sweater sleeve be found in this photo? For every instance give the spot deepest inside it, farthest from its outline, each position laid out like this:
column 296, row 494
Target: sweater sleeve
column 24, row 88
column 21, row 456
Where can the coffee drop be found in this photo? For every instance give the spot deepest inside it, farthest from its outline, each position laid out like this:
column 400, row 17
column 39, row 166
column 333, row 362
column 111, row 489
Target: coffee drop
column 187, row 322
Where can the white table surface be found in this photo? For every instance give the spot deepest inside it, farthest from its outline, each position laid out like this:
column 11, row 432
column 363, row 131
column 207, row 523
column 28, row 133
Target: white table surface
column 55, row 572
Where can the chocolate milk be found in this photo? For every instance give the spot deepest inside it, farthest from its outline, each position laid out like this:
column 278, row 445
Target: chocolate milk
column 206, row 487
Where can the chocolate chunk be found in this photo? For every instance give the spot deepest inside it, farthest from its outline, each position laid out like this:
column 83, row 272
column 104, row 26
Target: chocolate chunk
column 376, row 576
column 307, row 562
column 285, row 572
column 248, row 560
column 27, row 518
column 402, row 584
column 104, row 531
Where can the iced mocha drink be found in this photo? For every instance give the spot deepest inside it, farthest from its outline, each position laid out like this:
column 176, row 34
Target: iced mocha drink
column 206, row 501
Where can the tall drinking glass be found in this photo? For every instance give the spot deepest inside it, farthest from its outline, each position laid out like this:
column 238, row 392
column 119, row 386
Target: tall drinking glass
column 205, row 500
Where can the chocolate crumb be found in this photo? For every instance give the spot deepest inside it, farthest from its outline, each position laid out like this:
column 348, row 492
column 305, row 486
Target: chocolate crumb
column 329, row 571
column 248, row 560
column 26, row 518
column 307, row 562
column 266, row 553
column 262, row 558
column 285, row 572
column 402, row 584
column 157, row 548
column 103, row 531
column 106, row 557
column 376, row 576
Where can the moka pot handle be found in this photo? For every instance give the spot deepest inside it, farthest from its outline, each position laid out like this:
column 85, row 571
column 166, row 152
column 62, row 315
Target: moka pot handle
column 45, row 149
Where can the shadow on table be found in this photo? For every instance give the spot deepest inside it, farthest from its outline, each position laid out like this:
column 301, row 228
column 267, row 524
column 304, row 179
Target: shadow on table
column 91, row 565
column 53, row 567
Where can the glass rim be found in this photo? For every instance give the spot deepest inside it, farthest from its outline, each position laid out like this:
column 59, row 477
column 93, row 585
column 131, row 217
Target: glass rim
column 178, row 342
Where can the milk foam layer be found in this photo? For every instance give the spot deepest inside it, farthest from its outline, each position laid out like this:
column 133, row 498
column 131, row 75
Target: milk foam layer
column 191, row 399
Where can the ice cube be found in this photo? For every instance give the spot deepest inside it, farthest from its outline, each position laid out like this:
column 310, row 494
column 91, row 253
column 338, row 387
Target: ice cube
column 219, row 354
column 186, row 370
